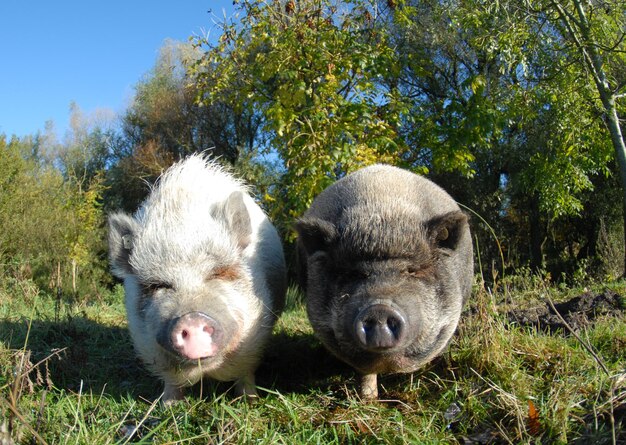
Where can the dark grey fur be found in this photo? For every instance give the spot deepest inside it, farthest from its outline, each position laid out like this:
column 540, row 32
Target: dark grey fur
column 385, row 238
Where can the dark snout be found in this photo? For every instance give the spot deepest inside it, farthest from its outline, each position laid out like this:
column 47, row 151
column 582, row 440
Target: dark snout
column 192, row 336
column 379, row 327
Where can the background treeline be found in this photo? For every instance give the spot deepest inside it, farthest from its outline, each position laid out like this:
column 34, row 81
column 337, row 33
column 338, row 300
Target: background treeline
column 512, row 106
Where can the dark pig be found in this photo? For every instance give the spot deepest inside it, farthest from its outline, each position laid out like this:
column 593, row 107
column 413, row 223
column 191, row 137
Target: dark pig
column 386, row 260
column 204, row 277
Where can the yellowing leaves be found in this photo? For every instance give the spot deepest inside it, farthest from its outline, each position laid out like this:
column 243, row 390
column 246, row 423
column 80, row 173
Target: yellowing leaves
column 314, row 83
column 365, row 155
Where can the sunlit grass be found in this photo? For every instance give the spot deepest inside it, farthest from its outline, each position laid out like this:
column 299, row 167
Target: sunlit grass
column 68, row 375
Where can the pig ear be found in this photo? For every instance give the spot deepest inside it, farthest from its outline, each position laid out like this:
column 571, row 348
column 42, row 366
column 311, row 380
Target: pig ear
column 315, row 234
column 446, row 230
column 238, row 219
column 122, row 229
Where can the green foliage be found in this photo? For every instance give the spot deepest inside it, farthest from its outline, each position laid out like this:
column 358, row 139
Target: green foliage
column 495, row 97
column 496, row 93
column 51, row 224
column 26, row 191
column 569, row 147
column 583, row 64
column 483, row 97
column 313, row 71
column 164, row 124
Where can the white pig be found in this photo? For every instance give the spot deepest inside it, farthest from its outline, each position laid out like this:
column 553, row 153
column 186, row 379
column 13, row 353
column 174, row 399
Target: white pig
column 204, row 276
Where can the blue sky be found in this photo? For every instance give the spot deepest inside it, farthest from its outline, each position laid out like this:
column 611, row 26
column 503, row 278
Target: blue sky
column 89, row 52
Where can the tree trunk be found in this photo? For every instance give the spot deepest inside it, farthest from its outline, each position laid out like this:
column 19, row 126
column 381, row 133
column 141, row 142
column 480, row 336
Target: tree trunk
column 581, row 35
column 620, row 151
column 74, row 276
column 536, row 235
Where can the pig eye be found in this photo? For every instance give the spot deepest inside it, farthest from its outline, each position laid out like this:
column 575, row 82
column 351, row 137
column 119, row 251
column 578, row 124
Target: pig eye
column 154, row 287
column 418, row 271
column 226, row 273
column 352, row 274
column 443, row 234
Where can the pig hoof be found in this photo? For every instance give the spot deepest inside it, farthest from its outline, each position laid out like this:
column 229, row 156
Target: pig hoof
column 171, row 394
column 369, row 387
column 246, row 388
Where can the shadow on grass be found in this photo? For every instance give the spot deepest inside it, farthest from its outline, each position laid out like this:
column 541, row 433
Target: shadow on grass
column 79, row 352
column 298, row 363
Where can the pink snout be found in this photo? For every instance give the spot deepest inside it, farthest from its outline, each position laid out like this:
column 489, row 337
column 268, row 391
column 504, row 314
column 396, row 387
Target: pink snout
column 193, row 336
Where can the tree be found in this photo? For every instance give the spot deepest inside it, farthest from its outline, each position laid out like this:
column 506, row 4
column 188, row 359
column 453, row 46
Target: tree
column 87, row 146
column 494, row 98
column 50, row 223
column 596, row 33
column 484, row 97
column 164, row 123
column 311, row 69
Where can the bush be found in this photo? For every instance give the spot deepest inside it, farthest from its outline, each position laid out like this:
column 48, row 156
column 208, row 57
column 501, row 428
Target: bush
column 53, row 228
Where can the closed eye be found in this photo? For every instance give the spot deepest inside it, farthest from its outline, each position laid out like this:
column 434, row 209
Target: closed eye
column 351, row 274
column 225, row 273
column 421, row 271
column 157, row 286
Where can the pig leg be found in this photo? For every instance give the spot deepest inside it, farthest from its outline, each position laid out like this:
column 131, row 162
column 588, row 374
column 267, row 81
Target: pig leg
column 245, row 387
column 369, row 387
column 171, row 394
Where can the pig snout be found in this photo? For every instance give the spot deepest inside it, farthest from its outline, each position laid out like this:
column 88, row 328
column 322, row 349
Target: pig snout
column 192, row 336
column 379, row 327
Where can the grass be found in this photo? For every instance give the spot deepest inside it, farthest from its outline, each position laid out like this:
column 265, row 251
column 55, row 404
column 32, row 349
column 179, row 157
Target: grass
column 68, row 375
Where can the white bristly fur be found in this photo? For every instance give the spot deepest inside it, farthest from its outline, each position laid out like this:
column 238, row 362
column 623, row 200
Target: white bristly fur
column 179, row 237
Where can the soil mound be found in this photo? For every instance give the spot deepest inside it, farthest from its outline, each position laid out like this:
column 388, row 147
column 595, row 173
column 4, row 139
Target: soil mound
column 578, row 312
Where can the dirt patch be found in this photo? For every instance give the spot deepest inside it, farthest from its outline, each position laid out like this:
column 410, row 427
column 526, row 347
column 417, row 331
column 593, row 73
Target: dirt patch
column 578, row 312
